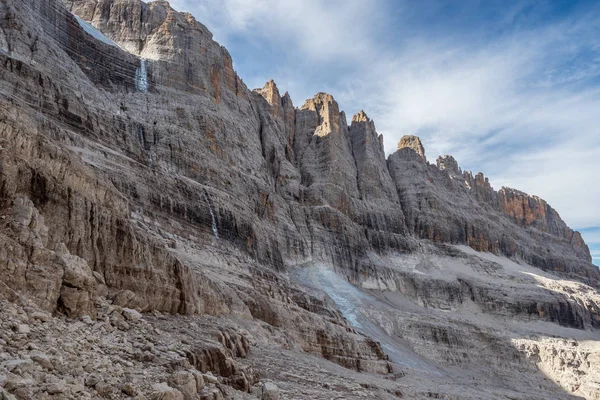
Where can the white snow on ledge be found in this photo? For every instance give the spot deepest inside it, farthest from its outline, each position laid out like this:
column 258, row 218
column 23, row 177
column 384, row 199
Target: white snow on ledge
column 94, row 32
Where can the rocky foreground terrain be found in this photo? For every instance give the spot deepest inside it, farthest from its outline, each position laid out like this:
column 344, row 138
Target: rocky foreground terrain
column 167, row 233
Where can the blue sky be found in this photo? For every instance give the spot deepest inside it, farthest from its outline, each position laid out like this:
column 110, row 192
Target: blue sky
column 511, row 89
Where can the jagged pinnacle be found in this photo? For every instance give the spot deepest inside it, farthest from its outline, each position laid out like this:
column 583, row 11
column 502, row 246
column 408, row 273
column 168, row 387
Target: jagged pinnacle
column 361, row 116
column 412, row 142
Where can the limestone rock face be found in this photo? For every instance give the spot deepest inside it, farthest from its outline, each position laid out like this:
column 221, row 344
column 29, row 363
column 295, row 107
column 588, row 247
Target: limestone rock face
column 449, row 164
column 323, row 140
column 301, row 183
column 367, row 147
column 277, row 127
column 531, row 211
column 380, row 207
column 180, row 50
column 444, row 204
column 271, row 94
column 144, row 177
column 313, row 176
column 413, row 143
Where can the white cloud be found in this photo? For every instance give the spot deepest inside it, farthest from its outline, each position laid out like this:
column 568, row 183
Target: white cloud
column 321, row 30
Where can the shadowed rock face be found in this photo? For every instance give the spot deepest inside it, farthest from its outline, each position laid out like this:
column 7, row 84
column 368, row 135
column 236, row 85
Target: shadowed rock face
column 196, row 195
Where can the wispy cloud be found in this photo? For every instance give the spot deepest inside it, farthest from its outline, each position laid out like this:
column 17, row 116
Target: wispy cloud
column 320, row 30
column 512, row 91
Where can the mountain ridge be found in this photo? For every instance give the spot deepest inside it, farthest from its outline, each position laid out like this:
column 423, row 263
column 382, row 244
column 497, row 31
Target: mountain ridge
column 194, row 201
column 276, row 97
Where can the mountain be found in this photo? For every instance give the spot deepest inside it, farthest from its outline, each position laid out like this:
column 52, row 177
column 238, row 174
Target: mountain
column 168, row 233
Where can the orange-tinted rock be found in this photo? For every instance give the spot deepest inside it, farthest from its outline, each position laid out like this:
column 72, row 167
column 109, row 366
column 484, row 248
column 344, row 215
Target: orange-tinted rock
column 413, row 143
column 525, row 210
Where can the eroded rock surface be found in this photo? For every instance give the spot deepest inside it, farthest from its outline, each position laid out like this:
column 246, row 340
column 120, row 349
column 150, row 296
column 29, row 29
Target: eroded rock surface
column 147, row 194
column 413, row 143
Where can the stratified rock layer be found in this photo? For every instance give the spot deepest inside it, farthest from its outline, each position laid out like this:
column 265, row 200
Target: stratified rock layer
column 313, row 187
column 146, row 176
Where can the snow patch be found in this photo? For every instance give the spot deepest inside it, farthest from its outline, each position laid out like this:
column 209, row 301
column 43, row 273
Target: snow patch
column 360, row 309
column 94, row 32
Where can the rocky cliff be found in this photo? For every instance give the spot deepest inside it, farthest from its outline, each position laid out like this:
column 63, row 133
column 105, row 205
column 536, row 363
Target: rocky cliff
column 139, row 172
column 312, row 159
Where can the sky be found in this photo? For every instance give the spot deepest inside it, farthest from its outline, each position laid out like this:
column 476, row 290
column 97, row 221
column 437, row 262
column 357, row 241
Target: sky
column 509, row 88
